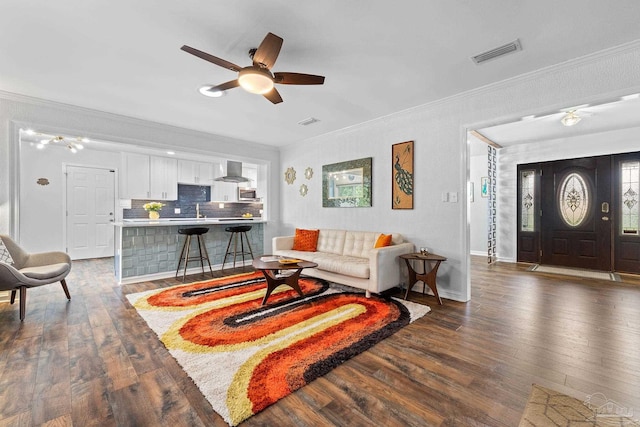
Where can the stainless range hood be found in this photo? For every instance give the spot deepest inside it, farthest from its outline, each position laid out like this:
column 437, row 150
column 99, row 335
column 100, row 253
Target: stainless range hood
column 233, row 173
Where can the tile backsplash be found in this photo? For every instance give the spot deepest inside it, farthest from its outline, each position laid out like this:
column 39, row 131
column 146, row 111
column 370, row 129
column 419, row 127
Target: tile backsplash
column 188, row 196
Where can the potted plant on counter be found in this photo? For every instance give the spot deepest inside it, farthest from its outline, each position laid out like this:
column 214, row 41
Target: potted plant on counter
column 154, row 209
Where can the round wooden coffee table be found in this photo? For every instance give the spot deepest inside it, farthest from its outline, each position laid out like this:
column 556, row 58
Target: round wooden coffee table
column 271, row 270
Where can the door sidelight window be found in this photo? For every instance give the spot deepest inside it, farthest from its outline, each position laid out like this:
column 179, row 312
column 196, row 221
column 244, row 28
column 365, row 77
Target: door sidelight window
column 630, row 187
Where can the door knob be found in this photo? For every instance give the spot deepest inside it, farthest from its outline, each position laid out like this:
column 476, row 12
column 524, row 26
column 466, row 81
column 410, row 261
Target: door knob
column 605, row 218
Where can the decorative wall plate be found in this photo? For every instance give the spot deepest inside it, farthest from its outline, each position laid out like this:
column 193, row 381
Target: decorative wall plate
column 308, row 173
column 290, row 175
column 303, row 190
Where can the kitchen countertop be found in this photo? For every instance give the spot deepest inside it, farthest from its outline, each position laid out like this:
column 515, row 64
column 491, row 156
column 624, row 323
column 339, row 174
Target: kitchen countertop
column 168, row 222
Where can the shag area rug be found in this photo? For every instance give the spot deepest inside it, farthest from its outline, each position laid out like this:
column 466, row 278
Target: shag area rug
column 578, row 272
column 243, row 356
column 548, row 408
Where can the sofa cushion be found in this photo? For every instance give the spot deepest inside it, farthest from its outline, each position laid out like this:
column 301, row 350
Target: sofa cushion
column 345, row 265
column 339, row 264
column 331, row 241
column 305, row 240
column 359, row 243
column 383, row 241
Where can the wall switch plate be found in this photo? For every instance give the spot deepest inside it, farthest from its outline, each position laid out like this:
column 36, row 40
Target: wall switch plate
column 176, row 211
column 453, row 197
column 445, row 196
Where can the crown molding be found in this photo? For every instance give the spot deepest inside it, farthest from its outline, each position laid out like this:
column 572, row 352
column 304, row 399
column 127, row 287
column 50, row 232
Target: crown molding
column 629, row 47
column 41, row 102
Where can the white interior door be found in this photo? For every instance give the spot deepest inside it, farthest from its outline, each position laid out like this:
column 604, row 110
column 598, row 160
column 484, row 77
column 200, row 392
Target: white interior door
column 90, row 212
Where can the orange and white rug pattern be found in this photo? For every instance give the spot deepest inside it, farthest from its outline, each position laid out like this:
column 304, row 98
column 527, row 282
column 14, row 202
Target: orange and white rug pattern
column 244, row 356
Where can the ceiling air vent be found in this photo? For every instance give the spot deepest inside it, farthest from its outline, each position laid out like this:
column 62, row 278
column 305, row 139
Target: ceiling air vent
column 309, row 121
column 498, row 51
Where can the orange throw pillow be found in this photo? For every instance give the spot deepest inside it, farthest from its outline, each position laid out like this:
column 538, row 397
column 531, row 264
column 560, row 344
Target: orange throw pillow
column 383, row 240
column 305, row 240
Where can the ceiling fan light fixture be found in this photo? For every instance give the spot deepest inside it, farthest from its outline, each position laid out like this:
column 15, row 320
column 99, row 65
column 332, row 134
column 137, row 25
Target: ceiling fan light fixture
column 571, row 118
column 255, row 80
column 206, row 91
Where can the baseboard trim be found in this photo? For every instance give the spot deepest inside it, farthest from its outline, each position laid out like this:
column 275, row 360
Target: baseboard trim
column 169, row 274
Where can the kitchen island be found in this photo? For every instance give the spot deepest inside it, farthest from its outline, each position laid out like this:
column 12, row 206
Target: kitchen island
column 150, row 249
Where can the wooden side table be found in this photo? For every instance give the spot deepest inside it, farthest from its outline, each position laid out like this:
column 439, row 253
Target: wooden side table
column 427, row 277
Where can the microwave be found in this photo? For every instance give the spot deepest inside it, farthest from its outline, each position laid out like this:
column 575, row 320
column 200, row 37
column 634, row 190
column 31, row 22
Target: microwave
column 248, row 194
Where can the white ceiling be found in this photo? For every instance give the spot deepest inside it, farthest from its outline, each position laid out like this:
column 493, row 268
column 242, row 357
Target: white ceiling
column 378, row 56
column 621, row 113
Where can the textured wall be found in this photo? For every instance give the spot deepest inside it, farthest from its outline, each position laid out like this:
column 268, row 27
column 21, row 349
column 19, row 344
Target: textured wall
column 156, row 250
column 441, row 160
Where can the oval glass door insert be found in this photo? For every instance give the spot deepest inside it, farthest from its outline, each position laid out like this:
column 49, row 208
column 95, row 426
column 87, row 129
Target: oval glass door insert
column 574, row 199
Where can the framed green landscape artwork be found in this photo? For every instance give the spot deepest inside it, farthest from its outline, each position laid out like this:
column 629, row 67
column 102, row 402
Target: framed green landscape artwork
column 347, row 184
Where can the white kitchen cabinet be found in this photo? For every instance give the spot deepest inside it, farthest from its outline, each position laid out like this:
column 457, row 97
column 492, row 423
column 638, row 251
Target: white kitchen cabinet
column 135, row 176
column 224, row 191
column 163, row 178
column 251, row 172
column 195, row 173
column 149, row 177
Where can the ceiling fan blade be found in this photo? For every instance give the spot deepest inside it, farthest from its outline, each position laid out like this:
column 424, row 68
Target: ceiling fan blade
column 297, row 79
column 274, row 96
column 213, row 59
column 225, row 86
column 268, row 51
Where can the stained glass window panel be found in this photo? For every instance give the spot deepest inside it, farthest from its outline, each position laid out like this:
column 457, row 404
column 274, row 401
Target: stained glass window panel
column 527, row 200
column 574, row 199
column 630, row 188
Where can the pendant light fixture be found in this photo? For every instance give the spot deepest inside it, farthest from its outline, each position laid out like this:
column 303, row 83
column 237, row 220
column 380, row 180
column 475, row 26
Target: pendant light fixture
column 72, row 146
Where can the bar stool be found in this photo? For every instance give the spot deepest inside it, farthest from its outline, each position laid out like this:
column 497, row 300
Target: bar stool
column 202, row 249
column 235, row 231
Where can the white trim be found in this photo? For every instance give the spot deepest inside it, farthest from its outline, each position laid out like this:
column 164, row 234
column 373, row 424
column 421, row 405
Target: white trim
column 11, row 96
column 570, row 64
column 170, row 274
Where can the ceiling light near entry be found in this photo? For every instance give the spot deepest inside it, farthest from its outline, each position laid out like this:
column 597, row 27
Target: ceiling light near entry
column 255, row 80
column 571, row 118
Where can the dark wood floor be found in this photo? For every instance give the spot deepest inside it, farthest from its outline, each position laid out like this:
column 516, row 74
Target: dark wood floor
column 93, row 361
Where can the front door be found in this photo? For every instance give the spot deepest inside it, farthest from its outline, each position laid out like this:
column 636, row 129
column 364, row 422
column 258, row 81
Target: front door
column 581, row 213
column 576, row 213
column 90, row 212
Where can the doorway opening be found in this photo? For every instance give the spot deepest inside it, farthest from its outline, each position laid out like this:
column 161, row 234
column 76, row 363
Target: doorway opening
column 581, row 213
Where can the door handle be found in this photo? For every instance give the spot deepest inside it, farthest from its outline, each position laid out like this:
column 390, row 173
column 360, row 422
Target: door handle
column 605, row 218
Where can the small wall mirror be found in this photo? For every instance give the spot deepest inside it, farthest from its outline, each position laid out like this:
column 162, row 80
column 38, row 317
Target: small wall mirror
column 347, row 184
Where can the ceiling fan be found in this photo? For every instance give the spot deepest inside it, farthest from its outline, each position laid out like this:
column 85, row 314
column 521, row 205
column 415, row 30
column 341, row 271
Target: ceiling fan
column 256, row 78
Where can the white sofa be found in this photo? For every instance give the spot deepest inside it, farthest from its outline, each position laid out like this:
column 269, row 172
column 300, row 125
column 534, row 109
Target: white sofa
column 349, row 258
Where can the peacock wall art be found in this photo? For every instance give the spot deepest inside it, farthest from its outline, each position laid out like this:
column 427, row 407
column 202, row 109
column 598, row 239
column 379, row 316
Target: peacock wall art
column 402, row 188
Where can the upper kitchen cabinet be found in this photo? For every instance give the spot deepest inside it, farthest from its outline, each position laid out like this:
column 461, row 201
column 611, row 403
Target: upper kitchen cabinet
column 196, row 173
column 224, row 192
column 163, row 178
column 149, row 177
column 251, row 172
